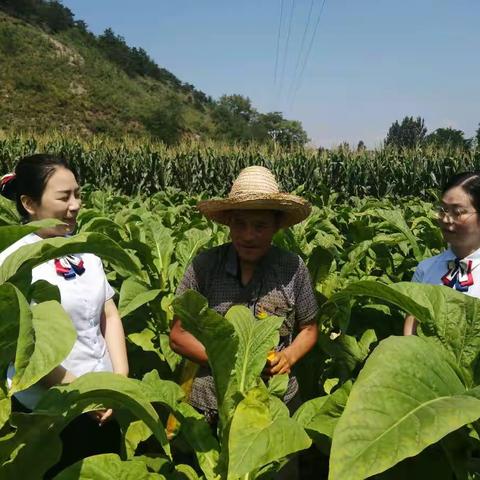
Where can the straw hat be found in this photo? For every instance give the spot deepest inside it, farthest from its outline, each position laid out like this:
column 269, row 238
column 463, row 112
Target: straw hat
column 256, row 189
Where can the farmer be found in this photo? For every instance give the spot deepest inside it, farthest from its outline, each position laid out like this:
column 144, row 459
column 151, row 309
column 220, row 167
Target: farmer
column 250, row 271
column 459, row 219
column 44, row 186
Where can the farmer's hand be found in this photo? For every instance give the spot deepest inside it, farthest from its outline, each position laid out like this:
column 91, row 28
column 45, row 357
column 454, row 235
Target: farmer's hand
column 281, row 363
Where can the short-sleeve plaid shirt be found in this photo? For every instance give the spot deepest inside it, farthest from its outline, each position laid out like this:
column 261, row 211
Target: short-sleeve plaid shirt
column 280, row 286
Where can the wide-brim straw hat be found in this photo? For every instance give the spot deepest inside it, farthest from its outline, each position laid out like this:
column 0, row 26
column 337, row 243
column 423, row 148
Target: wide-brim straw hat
column 256, row 189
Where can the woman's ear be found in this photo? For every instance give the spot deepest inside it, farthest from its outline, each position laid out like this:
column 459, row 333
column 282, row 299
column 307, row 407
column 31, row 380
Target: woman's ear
column 29, row 204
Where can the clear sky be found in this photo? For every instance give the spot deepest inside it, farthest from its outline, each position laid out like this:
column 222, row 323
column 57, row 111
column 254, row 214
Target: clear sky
column 371, row 61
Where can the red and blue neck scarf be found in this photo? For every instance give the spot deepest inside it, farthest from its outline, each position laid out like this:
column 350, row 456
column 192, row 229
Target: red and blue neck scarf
column 69, row 266
column 459, row 275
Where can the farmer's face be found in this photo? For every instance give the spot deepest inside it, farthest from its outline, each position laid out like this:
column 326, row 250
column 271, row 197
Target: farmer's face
column 252, row 232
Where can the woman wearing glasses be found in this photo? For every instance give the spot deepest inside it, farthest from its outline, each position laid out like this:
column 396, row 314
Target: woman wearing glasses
column 459, row 219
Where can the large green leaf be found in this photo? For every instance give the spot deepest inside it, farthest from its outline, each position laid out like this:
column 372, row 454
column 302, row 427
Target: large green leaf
column 103, row 225
column 15, row 314
column 116, row 391
column 43, row 342
column 320, row 415
column 407, row 397
column 163, row 391
column 431, row 463
column 33, row 448
column 41, row 291
column 319, row 264
column 214, row 332
column 198, row 434
column 5, row 404
column 162, row 246
column 108, row 467
column 29, row 256
column 11, row 233
column 133, row 294
column 448, row 316
column 255, row 339
column 191, row 242
column 172, row 358
column 348, row 352
column 258, row 436
column 396, row 219
column 144, row 340
column 136, row 432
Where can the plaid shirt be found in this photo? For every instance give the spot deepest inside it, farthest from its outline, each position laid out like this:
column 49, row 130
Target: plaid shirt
column 280, row 286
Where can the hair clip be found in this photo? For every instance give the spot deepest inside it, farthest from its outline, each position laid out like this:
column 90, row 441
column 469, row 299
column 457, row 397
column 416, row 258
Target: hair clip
column 7, row 178
column 4, row 182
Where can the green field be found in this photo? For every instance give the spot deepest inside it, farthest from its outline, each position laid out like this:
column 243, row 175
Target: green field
column 358, row 251
column 210, row 168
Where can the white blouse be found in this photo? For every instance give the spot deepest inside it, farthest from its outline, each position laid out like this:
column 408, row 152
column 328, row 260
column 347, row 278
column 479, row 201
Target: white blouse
column 83, row 298
column 434, row 268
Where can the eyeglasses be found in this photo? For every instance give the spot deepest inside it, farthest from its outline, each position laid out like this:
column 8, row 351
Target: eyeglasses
column 455, row 213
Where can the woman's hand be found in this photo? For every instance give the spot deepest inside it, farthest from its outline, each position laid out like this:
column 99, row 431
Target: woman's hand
column 101, row 416
column 410, row 325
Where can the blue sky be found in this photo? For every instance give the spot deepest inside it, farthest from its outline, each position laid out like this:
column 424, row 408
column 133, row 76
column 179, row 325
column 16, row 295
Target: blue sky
column 371, row 62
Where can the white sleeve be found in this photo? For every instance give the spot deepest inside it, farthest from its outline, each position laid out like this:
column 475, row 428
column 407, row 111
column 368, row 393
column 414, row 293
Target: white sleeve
column 109, row 291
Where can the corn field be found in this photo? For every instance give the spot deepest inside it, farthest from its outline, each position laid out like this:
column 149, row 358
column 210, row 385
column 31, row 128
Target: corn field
column 136, row 167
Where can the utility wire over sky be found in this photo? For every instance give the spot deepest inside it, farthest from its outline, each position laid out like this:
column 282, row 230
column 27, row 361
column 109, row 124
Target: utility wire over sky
column 282, row 98
column 285, row 53
column 278, row 44
column 349, row 70
column 307, row 56
column 304, row 36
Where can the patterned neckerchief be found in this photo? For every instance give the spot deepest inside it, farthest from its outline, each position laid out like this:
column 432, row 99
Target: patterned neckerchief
column 69, row 266
column 459, row 275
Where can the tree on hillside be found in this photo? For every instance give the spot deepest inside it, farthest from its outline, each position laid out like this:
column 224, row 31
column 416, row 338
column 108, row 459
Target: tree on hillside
column 477, row 138
column 56, row 16
column 237, row 106
column 237, row 121
column 51, row 14
column 232, row 115
column 133, row 61
column 166, row 121
column 410, row 133
column 115, row 49
column 22, row 7
column 273, row 127
column 448, row 137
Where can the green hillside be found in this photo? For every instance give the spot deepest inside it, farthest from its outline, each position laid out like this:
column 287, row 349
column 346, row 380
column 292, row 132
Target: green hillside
column 56, row 75
column 58, row 81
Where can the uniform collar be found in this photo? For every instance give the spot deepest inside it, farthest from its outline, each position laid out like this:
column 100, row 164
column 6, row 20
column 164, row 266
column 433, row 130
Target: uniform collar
column 450, row 255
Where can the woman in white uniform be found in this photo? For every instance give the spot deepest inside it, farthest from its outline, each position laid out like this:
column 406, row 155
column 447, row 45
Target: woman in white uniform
column 457, row 267
column 44, row 186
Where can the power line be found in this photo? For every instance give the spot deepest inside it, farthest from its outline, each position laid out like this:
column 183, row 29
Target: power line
column 278, row 44
column 300, row 78
column 304, row 36
column 286, row 47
